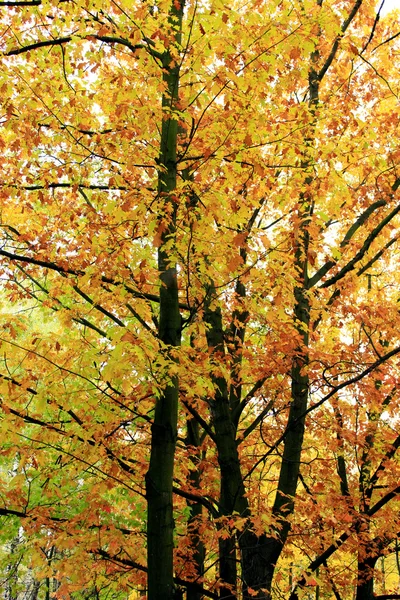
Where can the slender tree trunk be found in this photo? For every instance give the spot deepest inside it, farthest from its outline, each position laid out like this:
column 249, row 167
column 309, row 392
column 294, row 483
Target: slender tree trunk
column 232, row 489
column 34, row 592
column 159, row 478
column 10, row 592
column 365, row 578
column 196, row 509
column 258, row 553
column 260, row 577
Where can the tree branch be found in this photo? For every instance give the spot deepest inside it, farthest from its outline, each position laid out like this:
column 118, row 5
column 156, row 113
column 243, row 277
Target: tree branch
column 59, row 269
column 41, row 263
column 363, row 250
column 108, row 39
column 26, row 2
column 334, row 391
column 196, row 498
column 382, row 465
column 80, row 320
column 376, row 21
column 199, row 419
column 239, row 409
column 377, row 256
column 349, row 234
column 53, row 186
column 8, row 512
column 322, row 558
column 42, row 44
column 135, row 565
column 98, row 307
column 336, row 43
column 256, row 422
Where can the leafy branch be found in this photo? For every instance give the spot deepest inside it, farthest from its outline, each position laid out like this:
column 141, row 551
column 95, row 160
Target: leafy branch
column 108, row 39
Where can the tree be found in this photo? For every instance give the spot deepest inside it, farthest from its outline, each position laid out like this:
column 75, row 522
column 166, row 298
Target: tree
column 202, row 200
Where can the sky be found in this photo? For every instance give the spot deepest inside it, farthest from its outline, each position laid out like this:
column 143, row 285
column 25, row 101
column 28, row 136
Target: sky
column 388, row 6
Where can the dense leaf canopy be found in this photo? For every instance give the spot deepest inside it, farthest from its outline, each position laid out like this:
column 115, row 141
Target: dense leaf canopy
column 199, row 302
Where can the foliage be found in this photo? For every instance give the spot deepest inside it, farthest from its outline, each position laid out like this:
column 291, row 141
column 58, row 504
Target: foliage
column 200, row 216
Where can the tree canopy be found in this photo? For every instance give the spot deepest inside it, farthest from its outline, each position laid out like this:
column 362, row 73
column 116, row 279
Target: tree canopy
column 199, row 370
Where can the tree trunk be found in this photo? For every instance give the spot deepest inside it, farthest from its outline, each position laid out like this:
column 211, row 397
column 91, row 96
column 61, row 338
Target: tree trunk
column 258, row 553
column 365, row 578
column 232, row 491
column 159, row 478
column 10, row 592
column 196, row 509
column 231, row 487
column 271, row 547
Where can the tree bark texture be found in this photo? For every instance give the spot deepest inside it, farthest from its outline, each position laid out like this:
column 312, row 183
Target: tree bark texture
column 159, row 478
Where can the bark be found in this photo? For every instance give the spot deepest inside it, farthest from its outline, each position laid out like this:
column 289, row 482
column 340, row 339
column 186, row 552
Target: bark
column 196, row 509
column 258, row 553
column 253, row 549
column 159, row 478
column 365, row 578
column 231, row 487
column 261, row 553
column 236, row 339
column 34, row 591
column 12, row 574
column 290, row 465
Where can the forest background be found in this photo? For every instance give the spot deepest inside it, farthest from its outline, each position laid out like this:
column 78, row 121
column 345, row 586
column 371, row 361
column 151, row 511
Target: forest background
column 199, row 372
